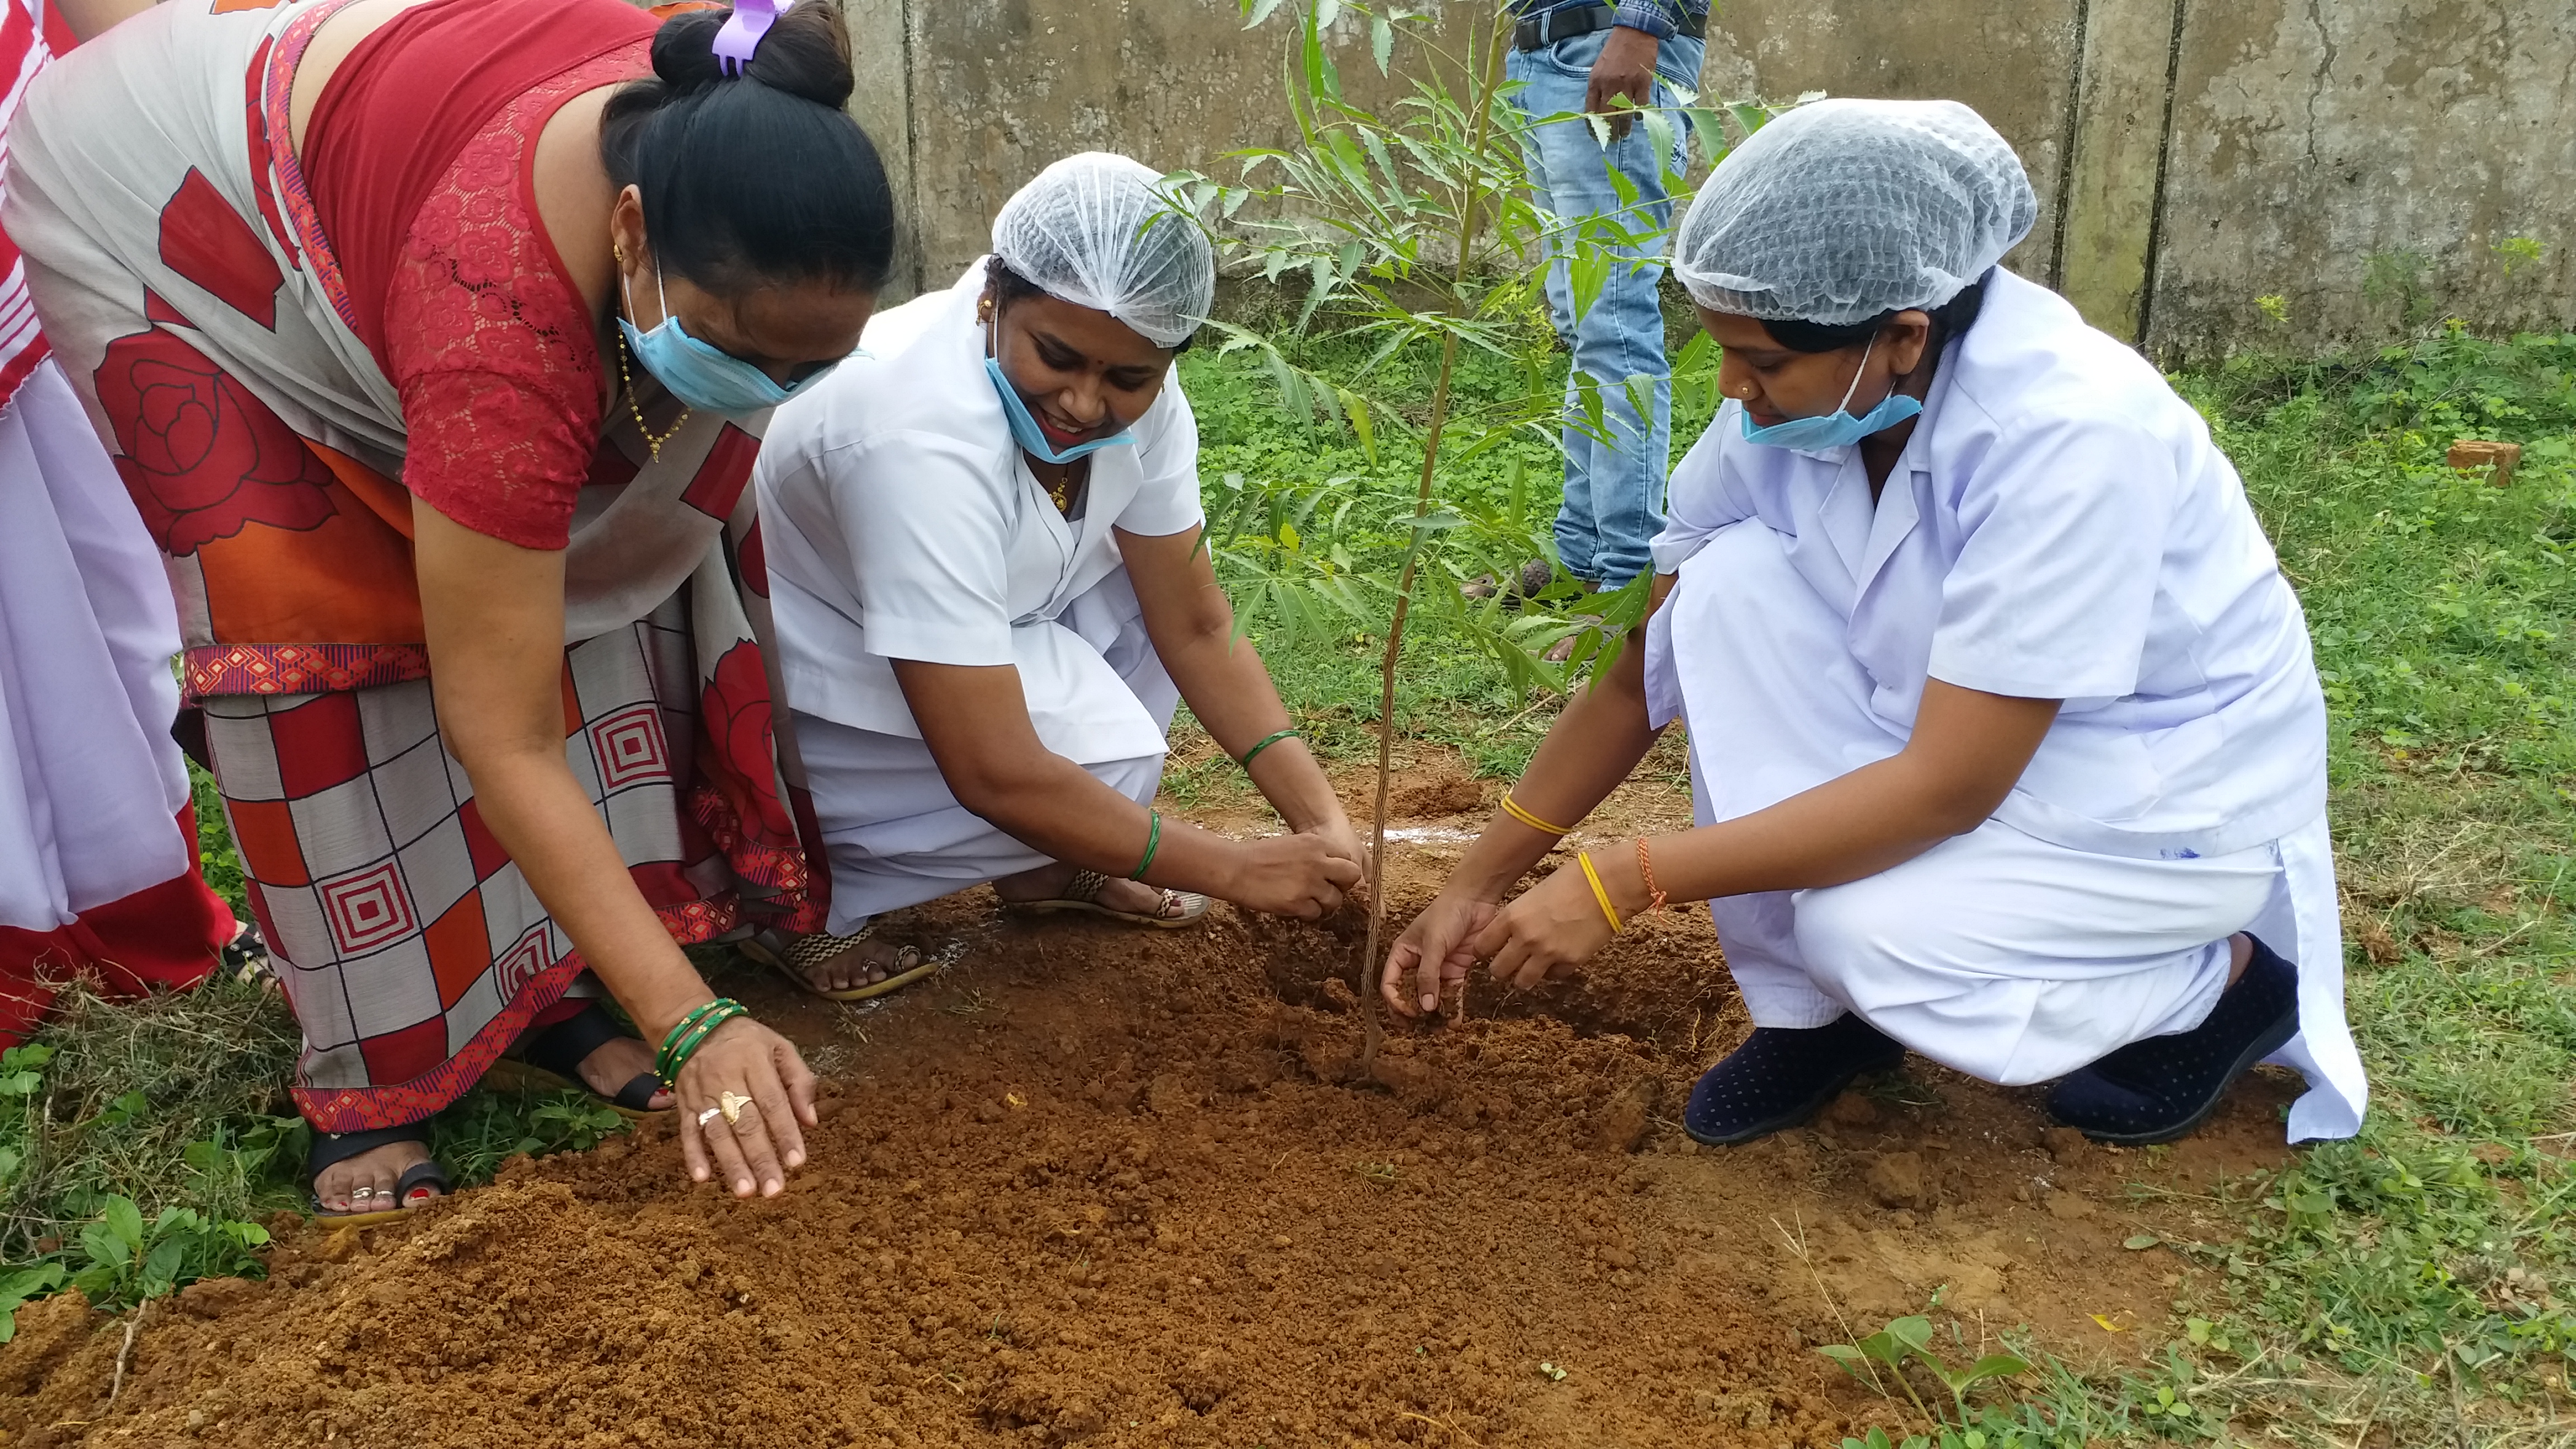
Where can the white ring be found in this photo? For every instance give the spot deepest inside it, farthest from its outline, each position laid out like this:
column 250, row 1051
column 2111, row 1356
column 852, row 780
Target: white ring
column 709, row 1115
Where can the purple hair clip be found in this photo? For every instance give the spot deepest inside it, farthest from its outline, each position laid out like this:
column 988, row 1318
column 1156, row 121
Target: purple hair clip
column 740, row 39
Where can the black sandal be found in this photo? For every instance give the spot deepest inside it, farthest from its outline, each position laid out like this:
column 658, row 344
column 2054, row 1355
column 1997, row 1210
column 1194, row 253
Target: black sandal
column 550, row 1061
column 1782, row 1076
column 333, row 1148
column 2164, row 1087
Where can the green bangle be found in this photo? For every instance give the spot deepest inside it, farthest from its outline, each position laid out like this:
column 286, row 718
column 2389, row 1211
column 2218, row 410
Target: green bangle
column 682, row 1029
column 1245, row 759
column 691, row 1033
column 1153, row 842
column 678, row 1053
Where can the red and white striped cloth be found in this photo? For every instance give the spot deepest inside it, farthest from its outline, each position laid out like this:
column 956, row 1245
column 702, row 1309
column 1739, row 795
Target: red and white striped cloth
column 30, row 35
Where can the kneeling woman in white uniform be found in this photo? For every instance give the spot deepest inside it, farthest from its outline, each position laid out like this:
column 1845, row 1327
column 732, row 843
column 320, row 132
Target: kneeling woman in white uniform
column 2006, row 743
column 983, row 546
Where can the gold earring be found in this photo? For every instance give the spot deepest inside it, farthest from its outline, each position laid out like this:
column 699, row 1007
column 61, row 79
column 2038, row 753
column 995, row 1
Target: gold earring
column 618, row 252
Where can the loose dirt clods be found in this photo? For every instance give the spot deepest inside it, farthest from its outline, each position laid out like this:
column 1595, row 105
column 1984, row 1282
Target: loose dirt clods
column 1115, row 1206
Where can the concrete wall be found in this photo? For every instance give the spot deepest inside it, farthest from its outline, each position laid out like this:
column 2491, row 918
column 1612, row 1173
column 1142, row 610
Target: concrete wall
column 2190, row 156
column 2311, row 136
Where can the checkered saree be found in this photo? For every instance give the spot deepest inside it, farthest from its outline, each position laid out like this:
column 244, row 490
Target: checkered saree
column 184, row 283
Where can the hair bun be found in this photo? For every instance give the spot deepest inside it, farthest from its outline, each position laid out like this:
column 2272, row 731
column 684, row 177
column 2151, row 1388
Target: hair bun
column 806, row 53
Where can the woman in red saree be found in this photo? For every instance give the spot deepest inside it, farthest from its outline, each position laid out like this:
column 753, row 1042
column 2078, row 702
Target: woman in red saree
column 433, row 339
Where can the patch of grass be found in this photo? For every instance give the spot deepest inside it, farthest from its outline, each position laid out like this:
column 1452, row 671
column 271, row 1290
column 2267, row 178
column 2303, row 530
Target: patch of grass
column 170, row 1102
column 144, row 1143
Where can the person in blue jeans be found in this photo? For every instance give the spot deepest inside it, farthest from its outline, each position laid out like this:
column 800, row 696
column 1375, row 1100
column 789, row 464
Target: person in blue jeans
column 1583, row 56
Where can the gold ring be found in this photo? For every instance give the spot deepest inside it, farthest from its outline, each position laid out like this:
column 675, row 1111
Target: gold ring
column 732, row 1103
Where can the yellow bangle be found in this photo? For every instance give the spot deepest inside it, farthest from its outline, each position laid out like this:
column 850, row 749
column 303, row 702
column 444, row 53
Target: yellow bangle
column 1512, row 808
column 1598, row 893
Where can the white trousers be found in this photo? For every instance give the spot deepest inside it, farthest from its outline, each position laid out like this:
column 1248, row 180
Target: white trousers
column 892, row 829
column 895, row 834
column 2001, row 955
column 90, row 781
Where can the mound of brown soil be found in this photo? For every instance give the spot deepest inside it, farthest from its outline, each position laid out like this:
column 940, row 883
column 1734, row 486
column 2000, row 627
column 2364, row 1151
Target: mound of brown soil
column 1104, row 1186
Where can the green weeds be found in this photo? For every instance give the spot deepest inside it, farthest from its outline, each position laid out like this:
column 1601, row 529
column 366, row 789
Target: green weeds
column 143, row 1145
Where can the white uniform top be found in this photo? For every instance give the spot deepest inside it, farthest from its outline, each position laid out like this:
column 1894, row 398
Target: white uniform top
column 2060, row 526
column 901, row 521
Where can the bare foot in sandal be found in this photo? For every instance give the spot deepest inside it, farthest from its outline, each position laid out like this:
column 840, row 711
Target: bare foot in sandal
column 365, row 1183
column 865, row 964
column 614, row 1064
column 1126, row 897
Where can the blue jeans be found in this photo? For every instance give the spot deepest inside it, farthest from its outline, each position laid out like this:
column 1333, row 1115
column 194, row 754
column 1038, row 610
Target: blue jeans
column 1614, row 490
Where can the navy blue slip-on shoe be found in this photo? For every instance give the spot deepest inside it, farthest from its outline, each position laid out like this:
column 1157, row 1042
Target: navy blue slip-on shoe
column 1782, row 1076
column 2163, row 1087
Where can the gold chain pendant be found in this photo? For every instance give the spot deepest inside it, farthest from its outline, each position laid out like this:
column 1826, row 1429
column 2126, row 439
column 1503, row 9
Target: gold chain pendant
column 652, row 444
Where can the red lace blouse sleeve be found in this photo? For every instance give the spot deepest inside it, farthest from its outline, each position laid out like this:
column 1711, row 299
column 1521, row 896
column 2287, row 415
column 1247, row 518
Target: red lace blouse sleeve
column 491, row 349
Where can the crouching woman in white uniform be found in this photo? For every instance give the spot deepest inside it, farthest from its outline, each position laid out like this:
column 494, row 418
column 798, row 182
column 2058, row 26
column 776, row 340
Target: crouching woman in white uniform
column 2006, row 743
column 983, row 549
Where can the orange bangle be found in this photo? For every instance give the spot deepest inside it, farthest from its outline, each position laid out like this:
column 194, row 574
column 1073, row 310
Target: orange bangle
column 1646, row 868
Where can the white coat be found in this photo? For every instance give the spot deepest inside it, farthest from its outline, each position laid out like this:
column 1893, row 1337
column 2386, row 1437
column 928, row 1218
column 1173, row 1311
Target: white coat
column 900, row 520
column 2059, row 526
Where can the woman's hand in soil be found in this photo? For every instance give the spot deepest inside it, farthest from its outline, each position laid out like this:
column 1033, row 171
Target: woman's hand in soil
column 1292, row 875
column 1435, row 950
column 1341, row 841
column 755, row 1150
column 1549, row 930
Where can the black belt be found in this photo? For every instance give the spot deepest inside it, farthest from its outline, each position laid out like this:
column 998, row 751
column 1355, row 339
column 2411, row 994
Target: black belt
column 1540, row 31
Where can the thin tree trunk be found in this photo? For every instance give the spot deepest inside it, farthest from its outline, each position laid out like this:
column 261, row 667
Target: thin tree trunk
column 1386, row 708
column 1483, row 88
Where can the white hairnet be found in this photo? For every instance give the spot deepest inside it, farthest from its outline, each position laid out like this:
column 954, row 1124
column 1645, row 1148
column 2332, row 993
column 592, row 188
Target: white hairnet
column 1100, row 231
column 1841, row 211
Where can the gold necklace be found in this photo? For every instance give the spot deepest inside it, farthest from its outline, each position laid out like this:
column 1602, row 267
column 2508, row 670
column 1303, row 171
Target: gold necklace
column 652, row 444
column 1060, row 492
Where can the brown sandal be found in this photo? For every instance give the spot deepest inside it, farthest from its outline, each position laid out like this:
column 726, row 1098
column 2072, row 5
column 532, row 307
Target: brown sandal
column 794, row 957
column 1082, row 893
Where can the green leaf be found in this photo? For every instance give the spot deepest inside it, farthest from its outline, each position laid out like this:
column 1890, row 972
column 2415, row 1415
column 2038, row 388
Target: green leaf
column 1381, row 42
column 19, row 1287
column 1587, row 272
column 1994, row 1366
column 1914, row 1332
column 1326, row 12
column 125, row 1220
column 124, row 1109
column 1356, row 409
column 105, row 1250
column 1659, row 133
column 1256, row 11
column 161, row 1268
column 2140, row 1242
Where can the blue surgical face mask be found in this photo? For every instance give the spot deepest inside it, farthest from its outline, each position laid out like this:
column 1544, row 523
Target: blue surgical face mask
column 700, row 376
column 1024, row 424
column 1837, row 428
